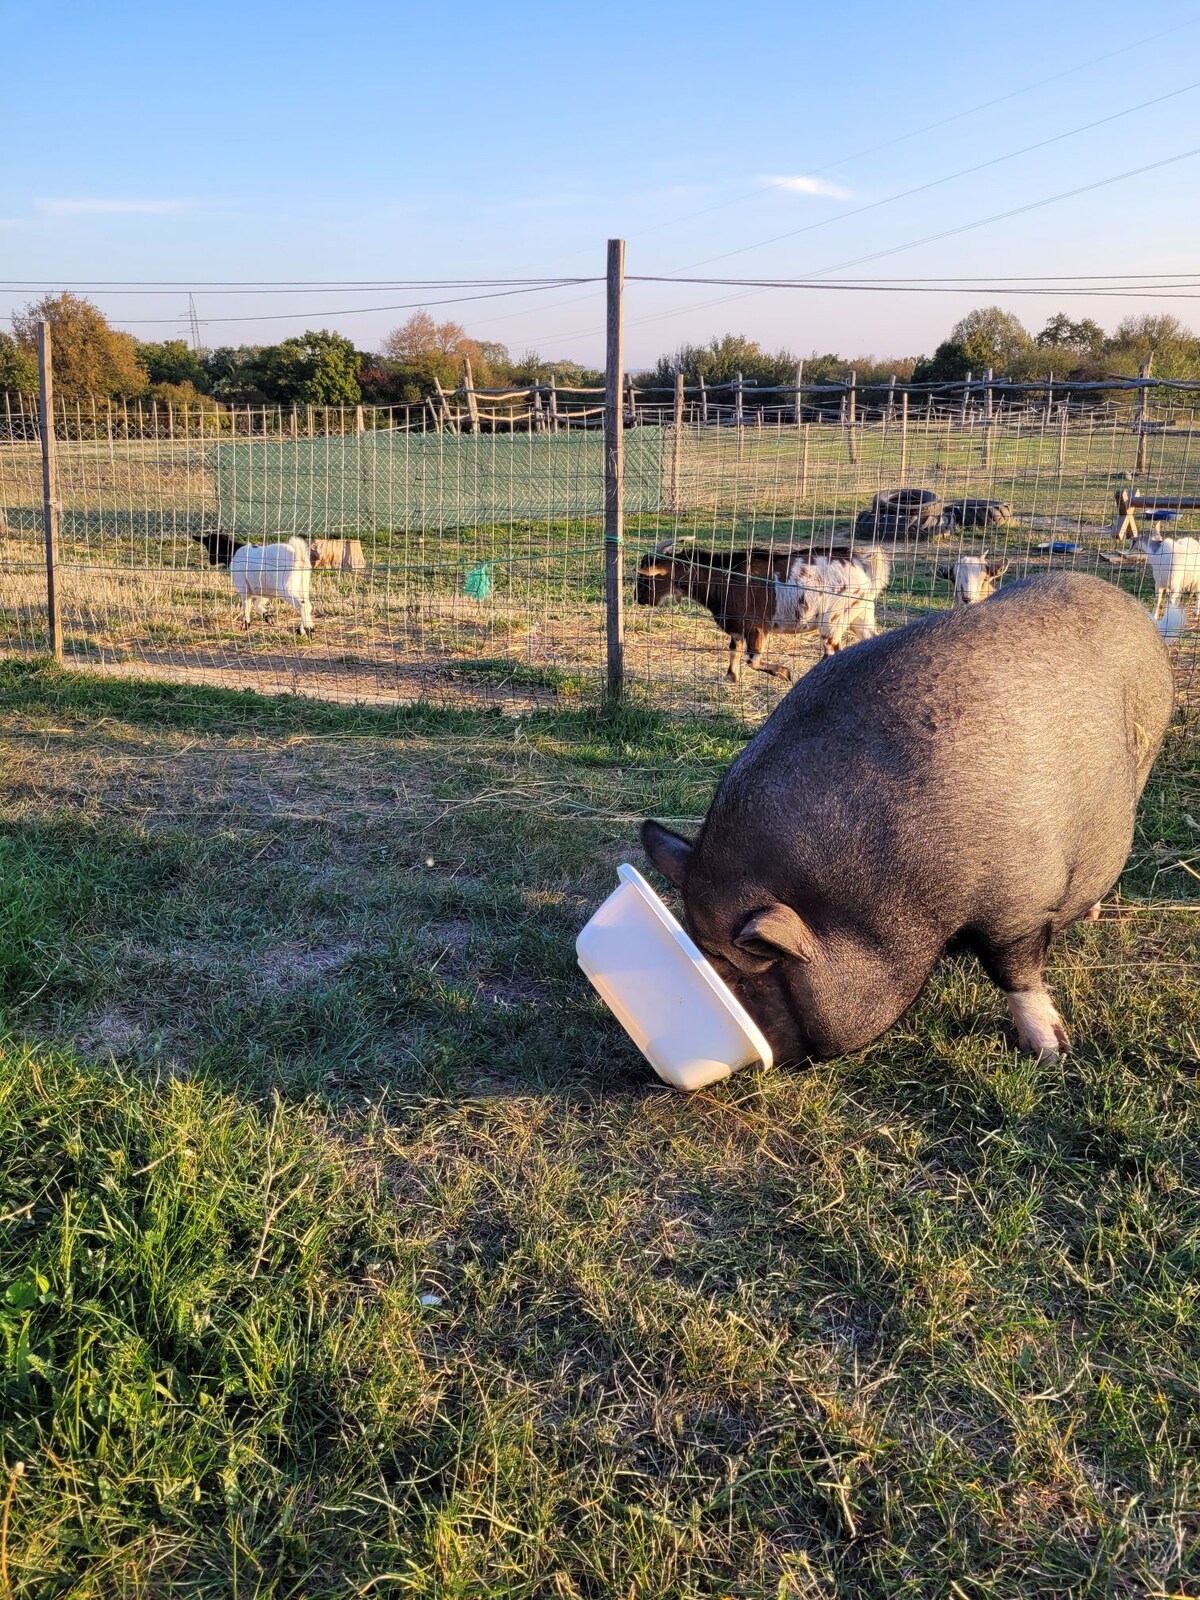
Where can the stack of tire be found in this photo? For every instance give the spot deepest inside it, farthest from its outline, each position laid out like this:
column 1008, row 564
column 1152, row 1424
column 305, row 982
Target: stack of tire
column 901, row 514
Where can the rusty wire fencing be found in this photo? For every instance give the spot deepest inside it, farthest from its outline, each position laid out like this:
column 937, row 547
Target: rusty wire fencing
column 482, row 572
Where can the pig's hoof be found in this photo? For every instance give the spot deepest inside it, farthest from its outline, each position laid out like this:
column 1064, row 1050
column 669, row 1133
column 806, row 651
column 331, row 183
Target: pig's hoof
column 1094, row 914
column 1040, row 1030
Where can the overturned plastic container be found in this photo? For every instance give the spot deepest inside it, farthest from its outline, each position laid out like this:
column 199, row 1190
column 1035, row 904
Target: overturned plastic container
column 664, row 992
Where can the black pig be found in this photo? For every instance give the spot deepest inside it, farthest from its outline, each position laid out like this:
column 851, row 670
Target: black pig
column 967, row 781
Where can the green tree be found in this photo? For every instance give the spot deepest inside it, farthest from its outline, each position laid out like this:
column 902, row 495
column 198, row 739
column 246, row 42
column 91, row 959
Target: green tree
column 172, row 361
column 1060, row 333
column 232, row 374
column 533, row 368
column 18, row 369
column 316, row 369
column 181, row 396
column 719, row 363
column 90, row 357
column 1175, row 348
column 987, row 337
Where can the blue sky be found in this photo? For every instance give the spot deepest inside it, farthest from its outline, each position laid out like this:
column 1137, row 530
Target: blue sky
column 386, row 141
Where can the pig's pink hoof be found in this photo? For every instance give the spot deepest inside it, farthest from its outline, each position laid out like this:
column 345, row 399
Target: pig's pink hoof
column 1094, row 914
column 1040, row 1030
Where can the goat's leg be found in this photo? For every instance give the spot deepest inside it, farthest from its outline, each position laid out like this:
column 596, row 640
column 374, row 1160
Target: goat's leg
column 735, row 658
column 756, row 644
column 247, row 609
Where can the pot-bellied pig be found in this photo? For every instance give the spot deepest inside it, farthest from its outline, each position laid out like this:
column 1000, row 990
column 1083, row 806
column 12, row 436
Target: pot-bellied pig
column 967, row 781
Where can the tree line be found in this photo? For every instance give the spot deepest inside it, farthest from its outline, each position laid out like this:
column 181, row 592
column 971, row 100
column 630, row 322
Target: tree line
column 987, row 338
column 92, row 358
column 320, row 368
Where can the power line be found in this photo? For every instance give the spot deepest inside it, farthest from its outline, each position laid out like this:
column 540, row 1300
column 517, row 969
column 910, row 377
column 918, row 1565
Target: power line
column 946, row 233
column 1146, row 292
column 934, row 183
column 282, row 285
column 929, row 127
column 348, row 311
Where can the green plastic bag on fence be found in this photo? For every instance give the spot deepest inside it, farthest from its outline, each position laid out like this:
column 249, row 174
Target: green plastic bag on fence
column 479, row 583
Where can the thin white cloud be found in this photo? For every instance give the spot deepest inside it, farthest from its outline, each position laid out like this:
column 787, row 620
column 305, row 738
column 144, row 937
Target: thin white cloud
column 804, row 185
column 99, row 207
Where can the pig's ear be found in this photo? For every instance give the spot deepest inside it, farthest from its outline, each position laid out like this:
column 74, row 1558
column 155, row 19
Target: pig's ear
column 669, row 852
column 773, row 932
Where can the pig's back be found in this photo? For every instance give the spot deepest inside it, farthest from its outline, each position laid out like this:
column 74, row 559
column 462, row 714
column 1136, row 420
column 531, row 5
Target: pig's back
column 935, row 762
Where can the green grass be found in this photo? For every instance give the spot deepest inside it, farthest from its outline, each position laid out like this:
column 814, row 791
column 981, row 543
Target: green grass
column 347, row 1248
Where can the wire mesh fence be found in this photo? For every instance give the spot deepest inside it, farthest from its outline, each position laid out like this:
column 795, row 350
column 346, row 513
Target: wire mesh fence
column 481, row 570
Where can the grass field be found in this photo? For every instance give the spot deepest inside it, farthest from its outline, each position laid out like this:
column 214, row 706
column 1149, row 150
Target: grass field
column 348, row 1249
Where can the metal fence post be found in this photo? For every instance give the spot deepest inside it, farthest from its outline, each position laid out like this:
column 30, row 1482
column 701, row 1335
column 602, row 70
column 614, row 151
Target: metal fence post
column 614, row 466
column 49, row 486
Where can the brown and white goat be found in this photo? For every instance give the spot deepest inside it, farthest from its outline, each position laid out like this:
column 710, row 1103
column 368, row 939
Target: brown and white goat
column 974, row 578
column 752, row 593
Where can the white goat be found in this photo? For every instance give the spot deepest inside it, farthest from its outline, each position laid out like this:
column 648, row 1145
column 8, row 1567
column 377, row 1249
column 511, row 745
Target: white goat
column 1175, row 564
column 263, row 572
column 834, row 595
column 974, row 578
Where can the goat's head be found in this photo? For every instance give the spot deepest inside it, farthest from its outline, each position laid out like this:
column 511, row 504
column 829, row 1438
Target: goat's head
column 658, row 574
column 219, row 547
column 1153, row 544
column 974, row 578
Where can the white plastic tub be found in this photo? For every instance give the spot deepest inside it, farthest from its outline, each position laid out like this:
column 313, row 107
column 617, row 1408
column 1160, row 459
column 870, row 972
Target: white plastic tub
column 663, row 991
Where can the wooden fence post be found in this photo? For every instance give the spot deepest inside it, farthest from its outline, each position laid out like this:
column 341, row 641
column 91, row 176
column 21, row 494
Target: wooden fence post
column 985, row 445
column 677, row 441
column 472, row 398
column 1143, row 413
column 962, row 420
column 799, row 395
column 851, row 416
column 614, row 466
column 903, row 436
column 49, row 486
column 703, row 403
column 1062, row 442
column 444, row 406
column 804, row 461
column 552, row 402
